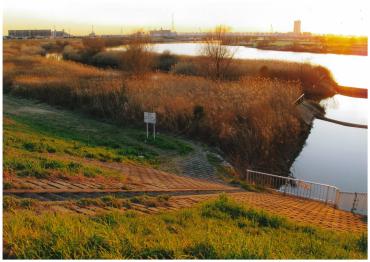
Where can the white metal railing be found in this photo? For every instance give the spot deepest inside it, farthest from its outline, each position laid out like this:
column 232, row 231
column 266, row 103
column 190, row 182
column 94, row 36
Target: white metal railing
column 295, row 187
column 354, row 202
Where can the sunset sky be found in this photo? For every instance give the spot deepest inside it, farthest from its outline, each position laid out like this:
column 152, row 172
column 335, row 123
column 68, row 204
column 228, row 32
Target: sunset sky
column 112, row 16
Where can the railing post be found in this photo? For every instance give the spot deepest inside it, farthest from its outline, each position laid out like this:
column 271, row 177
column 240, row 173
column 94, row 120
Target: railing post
column 354, row 203
column 337, row 194
column 285, row 186
column 327, row 194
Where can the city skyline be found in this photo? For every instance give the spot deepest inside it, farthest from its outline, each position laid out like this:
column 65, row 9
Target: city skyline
column 115, row 17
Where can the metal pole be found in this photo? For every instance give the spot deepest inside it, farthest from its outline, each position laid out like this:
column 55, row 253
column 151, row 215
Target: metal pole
column 337, row 194
column 354, row 203
column 327, row 194
column 147, row 131
column 154, row 131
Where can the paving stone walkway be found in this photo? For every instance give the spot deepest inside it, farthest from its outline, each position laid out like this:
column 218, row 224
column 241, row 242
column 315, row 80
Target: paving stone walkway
column 137, row 178
column 301, row 211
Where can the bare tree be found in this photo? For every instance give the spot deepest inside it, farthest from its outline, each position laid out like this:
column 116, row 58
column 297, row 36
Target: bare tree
column 219, row 55
column 138, row 58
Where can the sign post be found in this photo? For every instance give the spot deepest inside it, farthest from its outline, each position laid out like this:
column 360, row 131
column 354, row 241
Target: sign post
column 150, row 118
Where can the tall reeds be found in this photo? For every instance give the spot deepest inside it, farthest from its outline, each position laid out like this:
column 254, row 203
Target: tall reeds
column 251, row 119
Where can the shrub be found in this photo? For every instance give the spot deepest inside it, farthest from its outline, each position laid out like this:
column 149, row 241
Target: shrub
column 166, row 61
column 71, row 53
column 93, row 46
column 184, row 68
column 107, row 59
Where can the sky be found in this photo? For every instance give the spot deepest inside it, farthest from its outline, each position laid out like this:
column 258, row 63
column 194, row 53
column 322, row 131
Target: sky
column 346, row 17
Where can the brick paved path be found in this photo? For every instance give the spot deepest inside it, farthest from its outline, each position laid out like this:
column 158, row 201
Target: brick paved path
column 138, row 178
column 301, row 211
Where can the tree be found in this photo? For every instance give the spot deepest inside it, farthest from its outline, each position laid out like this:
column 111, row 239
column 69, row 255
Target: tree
column 219, row 55
column 93, row 46
column 138, row 58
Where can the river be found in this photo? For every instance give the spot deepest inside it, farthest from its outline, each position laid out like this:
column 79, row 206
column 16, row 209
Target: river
column 333, row 154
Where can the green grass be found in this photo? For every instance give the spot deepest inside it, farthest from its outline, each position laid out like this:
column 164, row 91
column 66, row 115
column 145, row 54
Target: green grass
column 229, row 175
column 164, row 142
column 41, row 136
column 43, row 141
column 216, row 229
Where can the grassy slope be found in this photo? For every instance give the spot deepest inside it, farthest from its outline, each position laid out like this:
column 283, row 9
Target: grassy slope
column 40, row 141
column 218, row 229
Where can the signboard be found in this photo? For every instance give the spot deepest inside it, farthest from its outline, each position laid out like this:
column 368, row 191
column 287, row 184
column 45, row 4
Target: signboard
column 150, row 118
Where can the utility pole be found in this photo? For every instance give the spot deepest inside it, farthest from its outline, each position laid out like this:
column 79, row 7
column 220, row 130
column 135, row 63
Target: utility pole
column 173, row 23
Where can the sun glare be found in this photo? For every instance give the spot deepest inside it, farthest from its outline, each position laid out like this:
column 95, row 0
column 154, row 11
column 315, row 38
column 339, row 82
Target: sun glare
column 336, row 17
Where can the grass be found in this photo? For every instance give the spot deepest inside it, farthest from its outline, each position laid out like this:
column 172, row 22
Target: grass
column 44, row 142
column 216, row 229
column 164, row 142
column 112, row 201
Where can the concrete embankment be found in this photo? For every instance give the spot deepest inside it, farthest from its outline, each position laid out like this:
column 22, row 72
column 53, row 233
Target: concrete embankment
column 309, row 112
column 352, row 91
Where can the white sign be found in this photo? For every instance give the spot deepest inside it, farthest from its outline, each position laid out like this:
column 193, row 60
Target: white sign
column 149, row 118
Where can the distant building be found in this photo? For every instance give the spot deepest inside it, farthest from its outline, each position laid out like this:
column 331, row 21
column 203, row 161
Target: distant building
column 60, row 34
column 43, row 33
column 297, row 27
column 162, row 33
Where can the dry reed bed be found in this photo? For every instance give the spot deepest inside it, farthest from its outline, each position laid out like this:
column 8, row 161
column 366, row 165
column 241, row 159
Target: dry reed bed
column 252, row 119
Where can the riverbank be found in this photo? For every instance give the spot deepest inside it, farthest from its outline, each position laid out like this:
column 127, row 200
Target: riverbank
column 66, row 172
column 219, row 113
column 309, row 112
column 338, row 50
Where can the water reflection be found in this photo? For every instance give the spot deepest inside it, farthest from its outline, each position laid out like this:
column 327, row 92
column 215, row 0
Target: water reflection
column 348, row 70
column 335, row 155
column 347, row 109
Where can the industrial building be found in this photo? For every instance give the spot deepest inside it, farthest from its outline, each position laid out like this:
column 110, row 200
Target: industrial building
column 162, row 33
column 37, row 33
column 297, row 27
column 43, row 33
column 60, row 34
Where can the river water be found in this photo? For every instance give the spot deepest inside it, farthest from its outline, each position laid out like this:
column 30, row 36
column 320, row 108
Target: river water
column 333, row 154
